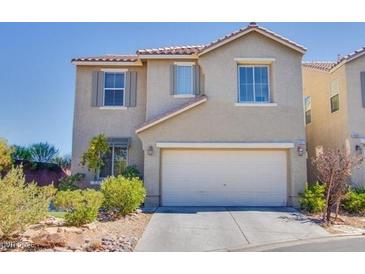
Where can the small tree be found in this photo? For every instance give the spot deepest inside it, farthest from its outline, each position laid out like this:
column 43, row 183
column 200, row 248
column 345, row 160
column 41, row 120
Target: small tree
column 92, row 157
column 334, row 169
column 5, row 155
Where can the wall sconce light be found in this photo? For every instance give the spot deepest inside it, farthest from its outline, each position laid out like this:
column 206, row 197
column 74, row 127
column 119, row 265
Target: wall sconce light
column 150, row 151
column 300, row 150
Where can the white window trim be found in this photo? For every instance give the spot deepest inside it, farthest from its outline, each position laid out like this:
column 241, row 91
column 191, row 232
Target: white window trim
column 307, row 109
column 114, row 70
column 268, row 83
column 113, row 108
column 254, row 61
column 186, row 95
column 125, row 78
column 337, row 92
column 254, row 104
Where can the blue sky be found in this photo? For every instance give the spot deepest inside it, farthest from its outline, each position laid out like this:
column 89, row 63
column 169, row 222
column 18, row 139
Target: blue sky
column 37, row 78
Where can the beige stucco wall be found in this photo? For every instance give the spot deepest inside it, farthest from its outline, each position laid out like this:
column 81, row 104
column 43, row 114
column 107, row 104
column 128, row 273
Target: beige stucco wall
column 356, row 112
column 327, row 129
column 90, row 121
column 219, row 119
column 159, row 99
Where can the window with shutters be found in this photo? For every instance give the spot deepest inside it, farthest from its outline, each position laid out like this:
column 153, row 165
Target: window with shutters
column 335, row 96
column 308, row 109
column 253, row 84
column 114, row 89
column 184, row 79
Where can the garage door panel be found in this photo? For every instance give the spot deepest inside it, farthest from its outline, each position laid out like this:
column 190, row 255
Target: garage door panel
column 223, row 177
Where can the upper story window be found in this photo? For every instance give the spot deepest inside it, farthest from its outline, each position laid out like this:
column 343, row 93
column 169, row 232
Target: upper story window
column 308, row 109
column 184, row 79
column 253, row 84
column 335, row 96
column 114, row 89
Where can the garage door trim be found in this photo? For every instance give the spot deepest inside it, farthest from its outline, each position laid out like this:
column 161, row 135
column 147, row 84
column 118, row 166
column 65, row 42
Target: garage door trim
column 277, row 145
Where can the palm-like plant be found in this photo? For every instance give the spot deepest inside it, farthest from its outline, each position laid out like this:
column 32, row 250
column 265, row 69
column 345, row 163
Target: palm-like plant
column 21, row 153
column 43, row 152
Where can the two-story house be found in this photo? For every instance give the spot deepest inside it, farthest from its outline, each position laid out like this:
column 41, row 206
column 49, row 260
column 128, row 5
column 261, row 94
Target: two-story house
column 335, row 108
column 210, row 125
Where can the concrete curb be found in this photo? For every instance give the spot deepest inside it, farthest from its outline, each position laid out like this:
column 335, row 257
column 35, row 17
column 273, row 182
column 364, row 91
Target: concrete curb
column 268, row 247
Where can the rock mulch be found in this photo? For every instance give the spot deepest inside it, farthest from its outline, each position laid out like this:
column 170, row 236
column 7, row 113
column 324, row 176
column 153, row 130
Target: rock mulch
column 344, row 224
column 108, row 234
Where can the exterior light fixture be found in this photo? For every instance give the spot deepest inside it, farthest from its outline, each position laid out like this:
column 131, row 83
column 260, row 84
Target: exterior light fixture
column 300, row 150
column 150, row 151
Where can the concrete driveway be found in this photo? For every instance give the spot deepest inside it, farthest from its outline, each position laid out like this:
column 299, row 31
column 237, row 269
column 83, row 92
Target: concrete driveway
column 222, row 228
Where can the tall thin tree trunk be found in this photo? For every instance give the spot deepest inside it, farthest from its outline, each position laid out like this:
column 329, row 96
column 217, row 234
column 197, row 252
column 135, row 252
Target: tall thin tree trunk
column 327, row 209
column 337, row 208
column 328, row 213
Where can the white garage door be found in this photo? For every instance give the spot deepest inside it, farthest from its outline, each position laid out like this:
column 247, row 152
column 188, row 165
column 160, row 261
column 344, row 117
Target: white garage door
column 223, row 178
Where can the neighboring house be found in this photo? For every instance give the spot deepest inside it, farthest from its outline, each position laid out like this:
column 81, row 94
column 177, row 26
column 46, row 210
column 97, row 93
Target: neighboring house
column 335, row 108
column 211, row 125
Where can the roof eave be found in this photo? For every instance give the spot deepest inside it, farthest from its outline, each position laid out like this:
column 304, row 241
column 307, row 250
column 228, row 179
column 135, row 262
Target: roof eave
column 107, row 63
column 249, row 30
column 168, row 56
column 170, row 115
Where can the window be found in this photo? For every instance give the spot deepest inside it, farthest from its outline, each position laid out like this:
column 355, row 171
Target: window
column 334, row 96
column 308, row 109
column 114, row 88
column 184, row 79
column 115, row 161
column 253, row 84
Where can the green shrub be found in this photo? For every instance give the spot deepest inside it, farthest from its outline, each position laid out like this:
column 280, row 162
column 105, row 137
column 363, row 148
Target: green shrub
column 131, row 172
column 21, row 203
column 358, row 189
column 81, row 206
column 354, row 201
column 70, row 182
column 5, row 155
column 122, row 194
column 313, row 200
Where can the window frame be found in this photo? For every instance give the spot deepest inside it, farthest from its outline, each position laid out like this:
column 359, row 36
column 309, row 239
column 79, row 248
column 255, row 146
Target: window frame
column 185, row 64
column 333, row 93
column 254, row 93
column 112, row 156
column 306, row 110
column 104, row 89
column 338, row 108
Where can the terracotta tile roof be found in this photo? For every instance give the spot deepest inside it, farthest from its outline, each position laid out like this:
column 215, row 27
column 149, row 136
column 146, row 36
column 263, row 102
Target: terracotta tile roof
column 328, row 66
column 177, row 50
column 107, row 58
column 172, row 112
column 352, row 55
column 254, row 26
column 320, row 65
column 200, row 48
